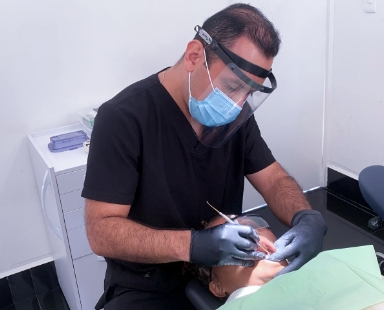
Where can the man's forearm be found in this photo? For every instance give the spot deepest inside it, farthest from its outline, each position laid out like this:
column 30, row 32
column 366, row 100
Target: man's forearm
column 285, row 198
column 124, row 239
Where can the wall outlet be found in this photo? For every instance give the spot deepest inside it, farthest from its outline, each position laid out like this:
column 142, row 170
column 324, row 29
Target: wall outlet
column 369, row 6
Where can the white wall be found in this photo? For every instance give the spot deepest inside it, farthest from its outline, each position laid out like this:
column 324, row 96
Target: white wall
column 56, row 57
column 291, row 119
column 355, row 109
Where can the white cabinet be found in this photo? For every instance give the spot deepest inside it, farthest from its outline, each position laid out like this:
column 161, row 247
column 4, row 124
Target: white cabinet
column 60, row 179
column 89, row 271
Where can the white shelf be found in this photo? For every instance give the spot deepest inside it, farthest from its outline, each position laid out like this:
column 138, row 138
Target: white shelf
column 63, row 162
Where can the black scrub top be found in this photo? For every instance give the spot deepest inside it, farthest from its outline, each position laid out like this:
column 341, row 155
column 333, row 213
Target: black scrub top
column 144, row 153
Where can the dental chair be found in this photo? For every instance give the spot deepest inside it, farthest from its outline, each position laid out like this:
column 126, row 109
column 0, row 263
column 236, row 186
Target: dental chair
column 201, row 297
column 371, row 183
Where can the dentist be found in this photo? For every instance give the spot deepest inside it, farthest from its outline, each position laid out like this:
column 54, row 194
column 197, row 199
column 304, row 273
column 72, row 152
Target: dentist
column 167, row 144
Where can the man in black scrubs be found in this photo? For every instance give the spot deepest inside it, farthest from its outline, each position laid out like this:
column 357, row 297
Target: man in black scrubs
column 167, row 144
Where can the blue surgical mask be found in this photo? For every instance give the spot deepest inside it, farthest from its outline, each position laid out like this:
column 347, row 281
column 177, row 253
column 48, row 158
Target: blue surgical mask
column 215, row 110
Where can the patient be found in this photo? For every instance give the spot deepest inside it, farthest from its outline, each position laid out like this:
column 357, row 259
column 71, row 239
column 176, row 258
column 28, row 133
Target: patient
column 235, row 281
column 336, row 279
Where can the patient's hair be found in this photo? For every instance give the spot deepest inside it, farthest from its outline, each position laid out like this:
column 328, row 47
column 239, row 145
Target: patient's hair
column 202, row 273
column 192, row 271
column 238, row 20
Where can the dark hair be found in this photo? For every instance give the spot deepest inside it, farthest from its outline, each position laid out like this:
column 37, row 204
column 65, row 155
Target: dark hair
column 239, row 20
column 203, row 273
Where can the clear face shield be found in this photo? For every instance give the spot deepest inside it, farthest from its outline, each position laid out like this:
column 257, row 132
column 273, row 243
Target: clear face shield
column 231, row 98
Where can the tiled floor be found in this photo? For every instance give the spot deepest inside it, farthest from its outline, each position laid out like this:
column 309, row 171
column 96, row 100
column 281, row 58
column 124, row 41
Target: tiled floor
column 32, row 289
column 51, row 300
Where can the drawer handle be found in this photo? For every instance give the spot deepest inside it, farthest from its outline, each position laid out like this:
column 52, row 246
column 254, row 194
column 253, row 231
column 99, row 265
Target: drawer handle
column 46, row 183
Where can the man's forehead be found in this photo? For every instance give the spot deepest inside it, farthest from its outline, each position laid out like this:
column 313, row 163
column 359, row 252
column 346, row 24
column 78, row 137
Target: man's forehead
column 255, row 57
column 228, row 76
column 247, row 50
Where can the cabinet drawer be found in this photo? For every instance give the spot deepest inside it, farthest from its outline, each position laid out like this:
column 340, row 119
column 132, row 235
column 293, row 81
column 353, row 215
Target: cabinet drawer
column 74, row 219
column 78, row 242
column 72, row 201
column 70, row 182
column 90, row 273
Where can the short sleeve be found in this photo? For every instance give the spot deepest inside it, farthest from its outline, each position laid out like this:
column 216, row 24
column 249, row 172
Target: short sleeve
column 114, row 156
column 257, row 154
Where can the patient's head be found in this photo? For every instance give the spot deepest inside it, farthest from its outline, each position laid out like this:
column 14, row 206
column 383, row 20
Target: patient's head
column 224, row 280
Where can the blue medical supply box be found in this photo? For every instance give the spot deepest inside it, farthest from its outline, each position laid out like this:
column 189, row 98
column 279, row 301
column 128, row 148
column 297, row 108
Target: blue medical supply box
column 67, row 141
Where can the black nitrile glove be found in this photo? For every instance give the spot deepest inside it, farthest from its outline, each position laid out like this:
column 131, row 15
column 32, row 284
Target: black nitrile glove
column 226, row 244
column 304, row 240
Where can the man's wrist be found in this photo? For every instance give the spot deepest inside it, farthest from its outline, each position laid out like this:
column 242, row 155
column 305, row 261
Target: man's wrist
column 183, row 250
column 299, row 215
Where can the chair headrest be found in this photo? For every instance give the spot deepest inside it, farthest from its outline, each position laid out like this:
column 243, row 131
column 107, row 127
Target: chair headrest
column 200, row 297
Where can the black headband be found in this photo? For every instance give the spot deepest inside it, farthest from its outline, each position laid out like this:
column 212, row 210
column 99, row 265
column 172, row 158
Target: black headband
column 234, row 62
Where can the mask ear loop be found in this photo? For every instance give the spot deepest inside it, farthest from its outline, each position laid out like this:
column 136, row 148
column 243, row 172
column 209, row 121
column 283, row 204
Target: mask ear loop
column 210, row 80
column 235, row 104
column 206, row 63
column 189, row 84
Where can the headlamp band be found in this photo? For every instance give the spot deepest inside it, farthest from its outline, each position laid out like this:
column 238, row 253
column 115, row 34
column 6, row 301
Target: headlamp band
column 234, row 61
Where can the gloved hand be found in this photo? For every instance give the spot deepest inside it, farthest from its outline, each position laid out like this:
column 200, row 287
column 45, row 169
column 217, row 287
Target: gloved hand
column 304, row 240
column 226, row 244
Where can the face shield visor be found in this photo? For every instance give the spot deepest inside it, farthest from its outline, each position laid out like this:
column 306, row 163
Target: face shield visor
column 231, row 98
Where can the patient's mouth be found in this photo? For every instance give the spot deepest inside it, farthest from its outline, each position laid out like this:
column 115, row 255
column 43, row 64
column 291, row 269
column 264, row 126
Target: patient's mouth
column 265, row 248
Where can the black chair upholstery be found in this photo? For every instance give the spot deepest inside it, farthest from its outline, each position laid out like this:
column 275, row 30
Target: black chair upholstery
column 371, row 183
column 200, row 297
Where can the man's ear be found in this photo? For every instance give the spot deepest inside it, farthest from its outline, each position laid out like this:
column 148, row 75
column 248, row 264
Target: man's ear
column 216, row 289
column 194, row 55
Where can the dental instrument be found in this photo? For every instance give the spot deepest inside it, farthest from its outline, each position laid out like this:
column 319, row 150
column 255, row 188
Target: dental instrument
column 222, row 214
column 232, row 222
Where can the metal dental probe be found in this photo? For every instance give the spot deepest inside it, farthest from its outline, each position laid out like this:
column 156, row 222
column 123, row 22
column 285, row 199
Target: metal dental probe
column 222, row 214
column 232, row 222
